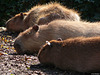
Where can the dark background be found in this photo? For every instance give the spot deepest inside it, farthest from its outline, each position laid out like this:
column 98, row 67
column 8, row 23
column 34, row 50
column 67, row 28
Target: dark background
column 89, row 9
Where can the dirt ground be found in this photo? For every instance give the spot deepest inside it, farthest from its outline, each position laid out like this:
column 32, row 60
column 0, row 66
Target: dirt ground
column 13, row 64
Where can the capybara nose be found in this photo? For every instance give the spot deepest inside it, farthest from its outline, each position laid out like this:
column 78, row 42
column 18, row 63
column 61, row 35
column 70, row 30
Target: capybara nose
column 17, row 48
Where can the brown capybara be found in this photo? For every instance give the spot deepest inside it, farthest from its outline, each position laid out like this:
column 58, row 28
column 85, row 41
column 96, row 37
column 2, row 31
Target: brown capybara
column 79, row 54
column 41, row 14
column 31, row 40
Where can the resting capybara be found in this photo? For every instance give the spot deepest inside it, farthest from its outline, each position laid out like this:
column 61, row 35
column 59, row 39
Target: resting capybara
column 41, row 14
column 78, row 54
column 32, row 39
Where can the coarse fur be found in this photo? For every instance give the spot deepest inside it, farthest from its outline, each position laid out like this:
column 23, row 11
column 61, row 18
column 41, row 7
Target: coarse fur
column 79, row 54
column 31, row 40
column 41, row 14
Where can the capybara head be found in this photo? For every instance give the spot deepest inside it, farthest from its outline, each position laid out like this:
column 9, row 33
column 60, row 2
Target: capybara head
column 48, row 50
column 16, row 23
column 23, row 41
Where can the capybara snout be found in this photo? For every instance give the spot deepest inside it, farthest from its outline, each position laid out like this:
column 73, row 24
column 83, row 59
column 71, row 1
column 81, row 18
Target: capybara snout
column 17, row 47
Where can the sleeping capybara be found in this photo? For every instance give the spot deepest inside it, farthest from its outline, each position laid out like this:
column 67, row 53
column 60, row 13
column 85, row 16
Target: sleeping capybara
column 31, row 40
column 41, row 14
column 79, row 54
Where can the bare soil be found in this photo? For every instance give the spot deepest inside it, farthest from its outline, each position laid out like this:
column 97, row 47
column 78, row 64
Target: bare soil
column 13, row 64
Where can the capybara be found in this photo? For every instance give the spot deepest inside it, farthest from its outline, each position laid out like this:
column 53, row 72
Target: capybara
column 31, row 40
column 79, row 54
column 41, row 14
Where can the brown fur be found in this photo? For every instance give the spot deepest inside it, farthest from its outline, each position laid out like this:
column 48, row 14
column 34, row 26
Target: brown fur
column 41, row 14
column 78, row 54
column 31, row 40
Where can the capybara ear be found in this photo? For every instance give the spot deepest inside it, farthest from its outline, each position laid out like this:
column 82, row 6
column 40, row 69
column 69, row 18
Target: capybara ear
column 36, row 27
column 59, row 39
column 21, row 15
